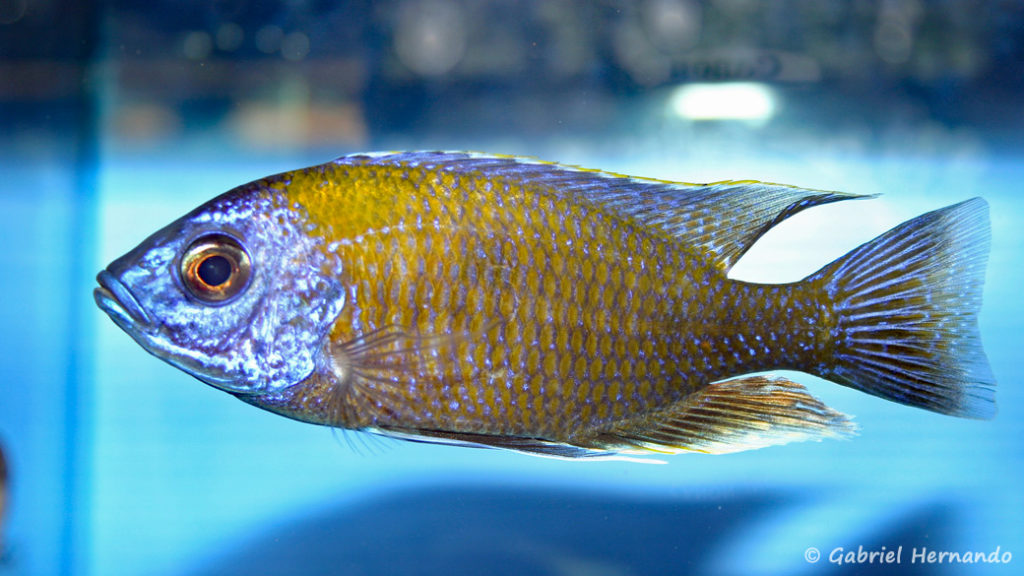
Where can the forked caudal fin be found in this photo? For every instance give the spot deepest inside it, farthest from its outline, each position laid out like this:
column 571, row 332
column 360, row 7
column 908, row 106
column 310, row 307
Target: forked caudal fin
column 906, row 306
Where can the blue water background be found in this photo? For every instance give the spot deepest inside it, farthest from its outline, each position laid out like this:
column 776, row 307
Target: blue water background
column 122, row 465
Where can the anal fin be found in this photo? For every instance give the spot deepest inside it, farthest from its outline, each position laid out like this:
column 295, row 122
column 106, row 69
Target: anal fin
column 730, row 416
column 523, row 444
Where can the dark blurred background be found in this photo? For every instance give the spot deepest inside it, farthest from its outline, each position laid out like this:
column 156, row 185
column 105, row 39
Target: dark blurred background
column 309, row 73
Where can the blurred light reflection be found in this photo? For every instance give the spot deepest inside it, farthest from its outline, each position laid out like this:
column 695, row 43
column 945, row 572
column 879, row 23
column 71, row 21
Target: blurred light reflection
column 197, row 45
column 268, row 39
column 230, row 36
column 672, row 25
column 430, row 36
column 749, row 101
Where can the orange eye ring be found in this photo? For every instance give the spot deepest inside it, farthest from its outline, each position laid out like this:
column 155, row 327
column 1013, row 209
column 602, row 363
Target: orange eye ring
column 215, row 269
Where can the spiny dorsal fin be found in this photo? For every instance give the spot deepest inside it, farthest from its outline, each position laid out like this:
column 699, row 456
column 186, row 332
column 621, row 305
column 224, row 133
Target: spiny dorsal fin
column 723, row 219
column 727, row 218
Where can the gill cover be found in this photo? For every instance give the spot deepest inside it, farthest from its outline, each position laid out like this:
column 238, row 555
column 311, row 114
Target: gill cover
column 239, row 292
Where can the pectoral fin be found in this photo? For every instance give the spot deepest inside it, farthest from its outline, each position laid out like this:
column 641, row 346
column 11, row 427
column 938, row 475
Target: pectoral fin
column 391, row 373
column 730, row 416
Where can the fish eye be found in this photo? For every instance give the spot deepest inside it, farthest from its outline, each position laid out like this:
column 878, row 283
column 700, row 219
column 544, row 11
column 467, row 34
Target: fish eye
column 215, row 269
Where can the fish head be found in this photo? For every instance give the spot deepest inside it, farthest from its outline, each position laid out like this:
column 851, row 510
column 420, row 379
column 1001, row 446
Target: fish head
column 240, row 293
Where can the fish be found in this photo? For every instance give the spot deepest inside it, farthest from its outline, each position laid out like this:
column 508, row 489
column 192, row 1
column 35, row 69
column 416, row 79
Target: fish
column 507, row 302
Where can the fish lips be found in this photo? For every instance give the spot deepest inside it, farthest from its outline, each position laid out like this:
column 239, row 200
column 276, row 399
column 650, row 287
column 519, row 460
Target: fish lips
column 114, row 298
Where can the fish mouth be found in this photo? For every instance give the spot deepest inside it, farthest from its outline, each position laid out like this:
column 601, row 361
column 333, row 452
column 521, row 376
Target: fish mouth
column 114, row 298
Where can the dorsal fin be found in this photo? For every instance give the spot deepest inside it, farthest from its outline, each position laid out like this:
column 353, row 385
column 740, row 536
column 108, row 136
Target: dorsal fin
column 723, row 219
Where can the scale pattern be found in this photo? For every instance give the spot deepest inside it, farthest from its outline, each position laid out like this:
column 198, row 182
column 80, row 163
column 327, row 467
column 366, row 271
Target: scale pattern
column 508, row 306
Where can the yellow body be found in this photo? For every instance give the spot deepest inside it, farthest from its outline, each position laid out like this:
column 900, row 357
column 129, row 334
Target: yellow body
column 504, row 306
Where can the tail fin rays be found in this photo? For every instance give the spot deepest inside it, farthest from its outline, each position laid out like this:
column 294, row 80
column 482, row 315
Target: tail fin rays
column 907, row 306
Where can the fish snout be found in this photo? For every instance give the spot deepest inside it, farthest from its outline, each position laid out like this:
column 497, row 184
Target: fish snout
column 114, row 298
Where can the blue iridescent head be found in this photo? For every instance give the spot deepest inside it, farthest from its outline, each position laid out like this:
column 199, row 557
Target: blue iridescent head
column 235, row 293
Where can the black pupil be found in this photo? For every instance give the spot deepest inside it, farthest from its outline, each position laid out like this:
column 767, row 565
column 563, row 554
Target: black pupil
column 214, row 270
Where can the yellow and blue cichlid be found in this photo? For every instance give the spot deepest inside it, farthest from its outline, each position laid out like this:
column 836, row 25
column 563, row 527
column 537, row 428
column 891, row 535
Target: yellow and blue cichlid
column 512, row 303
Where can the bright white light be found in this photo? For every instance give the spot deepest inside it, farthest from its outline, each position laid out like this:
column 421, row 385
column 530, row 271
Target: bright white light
column 730, row 101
